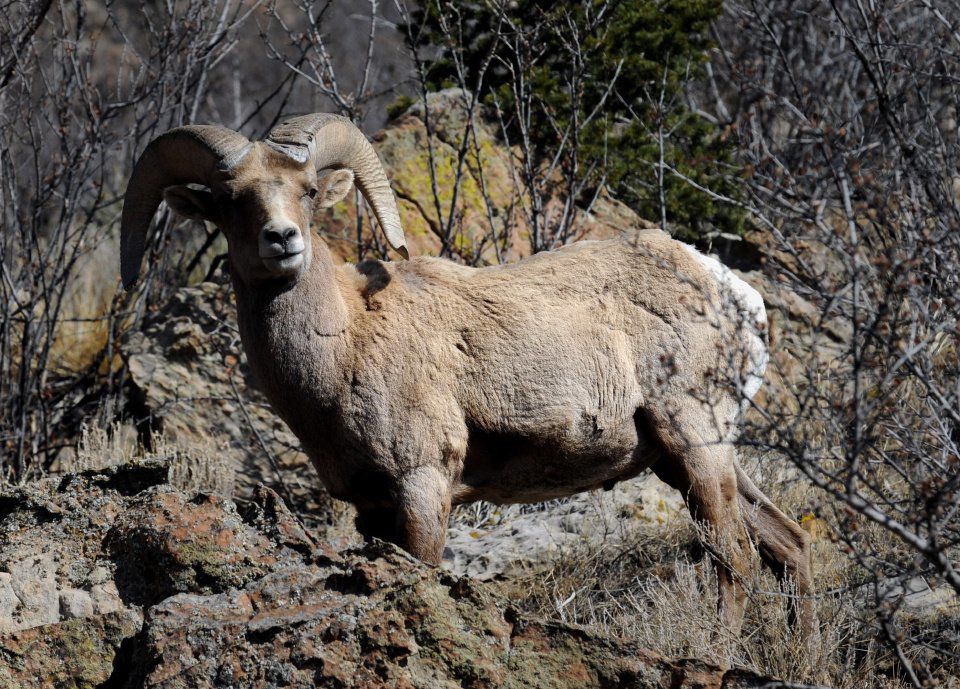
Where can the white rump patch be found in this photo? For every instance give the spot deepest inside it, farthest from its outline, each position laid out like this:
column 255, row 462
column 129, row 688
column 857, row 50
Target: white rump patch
column 751, row 315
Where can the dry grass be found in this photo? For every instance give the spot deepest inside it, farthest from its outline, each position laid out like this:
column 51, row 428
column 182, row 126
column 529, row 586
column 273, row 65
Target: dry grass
column 199, row 467
column 657, row 588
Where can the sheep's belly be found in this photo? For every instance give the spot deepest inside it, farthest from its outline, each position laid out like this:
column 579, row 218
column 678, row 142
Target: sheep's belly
column 510, row 468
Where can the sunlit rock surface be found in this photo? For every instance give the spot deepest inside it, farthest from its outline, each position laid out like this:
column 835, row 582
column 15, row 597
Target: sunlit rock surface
column 120, row 580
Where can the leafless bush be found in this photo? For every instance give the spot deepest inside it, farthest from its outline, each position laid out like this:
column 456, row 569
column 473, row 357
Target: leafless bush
column 83, row 88
column 846, row 117
column 81, row 94
column 550, row 180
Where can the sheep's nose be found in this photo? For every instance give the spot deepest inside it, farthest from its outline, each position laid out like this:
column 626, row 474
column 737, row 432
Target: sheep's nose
column 281, row 236
column 277, row 241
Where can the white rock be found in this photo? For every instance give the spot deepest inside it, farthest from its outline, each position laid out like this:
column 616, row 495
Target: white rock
column 34, row 582
column 8, row 603
column 105, row 598
column 75, row 603
column 521, row 540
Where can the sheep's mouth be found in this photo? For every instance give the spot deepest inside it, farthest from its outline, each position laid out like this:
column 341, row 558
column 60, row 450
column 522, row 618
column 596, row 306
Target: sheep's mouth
column 284, row 263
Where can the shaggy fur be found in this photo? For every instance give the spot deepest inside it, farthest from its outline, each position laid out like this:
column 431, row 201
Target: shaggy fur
column 417, row 385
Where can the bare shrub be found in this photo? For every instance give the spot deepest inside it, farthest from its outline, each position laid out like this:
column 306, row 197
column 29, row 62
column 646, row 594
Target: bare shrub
column 846, row 117
column 101, row 448
column 86, row 87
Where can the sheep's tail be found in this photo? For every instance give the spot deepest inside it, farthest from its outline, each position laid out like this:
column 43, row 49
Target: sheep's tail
column 745, row 305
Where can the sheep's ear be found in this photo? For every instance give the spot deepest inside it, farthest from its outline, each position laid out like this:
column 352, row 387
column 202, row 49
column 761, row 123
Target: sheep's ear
column 191, row 203
column 337, row 184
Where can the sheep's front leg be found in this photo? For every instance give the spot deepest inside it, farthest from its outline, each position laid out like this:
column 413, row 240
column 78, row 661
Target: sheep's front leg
column 423, row 507
column 418, row 521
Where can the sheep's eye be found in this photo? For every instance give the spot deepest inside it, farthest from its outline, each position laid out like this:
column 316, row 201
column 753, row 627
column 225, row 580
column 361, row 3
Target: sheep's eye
column 312, row 193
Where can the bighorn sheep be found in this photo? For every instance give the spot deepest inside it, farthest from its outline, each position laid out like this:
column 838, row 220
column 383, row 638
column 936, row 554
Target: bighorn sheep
column 421, row 384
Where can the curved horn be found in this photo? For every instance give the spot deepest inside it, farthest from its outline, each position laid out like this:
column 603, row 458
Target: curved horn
column 180, row 156
column 343, row 145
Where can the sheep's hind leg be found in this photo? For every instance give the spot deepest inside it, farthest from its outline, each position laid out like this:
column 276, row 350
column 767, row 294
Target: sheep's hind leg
column 704, row 473
column 784, row 547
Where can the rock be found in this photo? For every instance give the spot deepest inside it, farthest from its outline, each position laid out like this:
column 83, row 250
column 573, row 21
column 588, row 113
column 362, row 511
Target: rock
column 377, row 619
column 165, row 544
column 69, row 631
column 211, row 594
column 51, row 539
column 34, row 587
column 917, row 597
column 514, row 540
column 487, row 177
column 75, row 603
column 105, row 598
column 82, row 652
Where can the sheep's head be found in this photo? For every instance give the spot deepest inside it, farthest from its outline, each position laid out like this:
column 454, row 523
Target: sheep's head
column 264, row 204
column 262, row 195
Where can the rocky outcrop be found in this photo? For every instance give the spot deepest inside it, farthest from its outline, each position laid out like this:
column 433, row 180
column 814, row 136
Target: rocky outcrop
column 483, row 184
column 116, row 579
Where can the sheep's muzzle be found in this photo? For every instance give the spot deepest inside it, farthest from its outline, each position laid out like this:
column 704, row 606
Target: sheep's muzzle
column 281, row 247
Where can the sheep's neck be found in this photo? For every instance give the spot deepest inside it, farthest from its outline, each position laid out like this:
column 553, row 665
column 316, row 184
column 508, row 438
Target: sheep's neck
column 295, row 338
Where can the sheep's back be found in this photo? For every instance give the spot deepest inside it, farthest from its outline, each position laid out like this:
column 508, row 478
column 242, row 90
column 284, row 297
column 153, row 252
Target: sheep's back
column 578, row 333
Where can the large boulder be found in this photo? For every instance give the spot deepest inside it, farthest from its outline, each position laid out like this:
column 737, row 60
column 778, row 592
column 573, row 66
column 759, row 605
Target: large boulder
column 476, row 174
column 124, row 581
